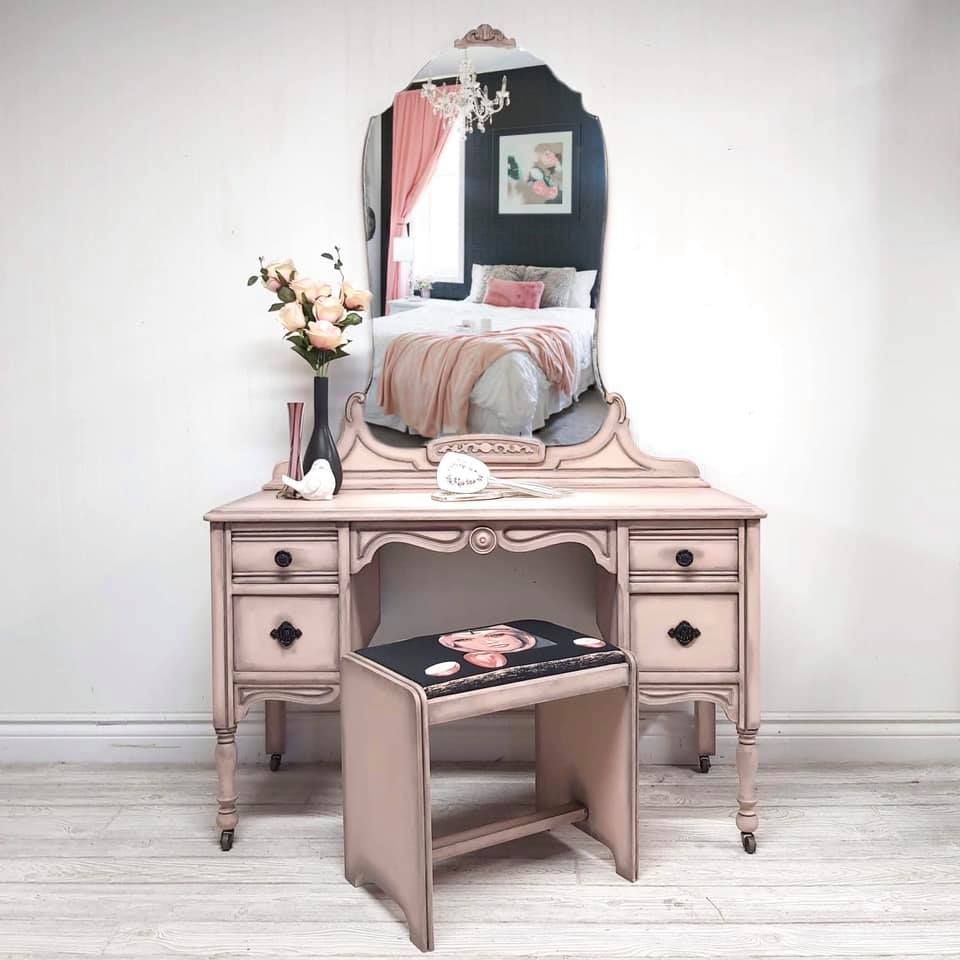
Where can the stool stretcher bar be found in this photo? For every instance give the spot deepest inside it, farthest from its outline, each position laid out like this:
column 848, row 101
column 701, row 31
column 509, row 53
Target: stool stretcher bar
column 502, row 831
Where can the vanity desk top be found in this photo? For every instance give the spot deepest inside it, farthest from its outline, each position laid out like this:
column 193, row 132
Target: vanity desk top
column 610, row 504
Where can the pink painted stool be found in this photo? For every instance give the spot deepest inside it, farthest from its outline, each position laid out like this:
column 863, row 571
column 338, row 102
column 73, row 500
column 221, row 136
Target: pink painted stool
column 584, row 694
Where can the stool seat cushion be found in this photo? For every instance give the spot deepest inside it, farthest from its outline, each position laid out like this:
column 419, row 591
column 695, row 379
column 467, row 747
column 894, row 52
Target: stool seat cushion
column 481, row 657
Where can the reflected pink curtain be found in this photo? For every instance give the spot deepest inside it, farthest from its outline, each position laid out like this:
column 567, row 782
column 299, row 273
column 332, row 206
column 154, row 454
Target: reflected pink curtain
column 418, row 137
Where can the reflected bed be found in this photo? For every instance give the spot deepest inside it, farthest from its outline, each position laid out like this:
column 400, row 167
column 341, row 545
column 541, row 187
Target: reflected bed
column 513, row 396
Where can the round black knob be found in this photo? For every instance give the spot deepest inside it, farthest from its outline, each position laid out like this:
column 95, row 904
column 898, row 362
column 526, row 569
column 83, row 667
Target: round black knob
column 283, row 558
column 684, row 558
column 684, row 633
column 286, row 633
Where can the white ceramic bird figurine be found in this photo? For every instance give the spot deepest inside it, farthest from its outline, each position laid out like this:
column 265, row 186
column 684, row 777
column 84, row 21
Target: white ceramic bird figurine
column 317, row 484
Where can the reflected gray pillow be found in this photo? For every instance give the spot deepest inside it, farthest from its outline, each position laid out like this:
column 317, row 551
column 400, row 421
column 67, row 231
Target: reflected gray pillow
column 481, row 273
column 557, row 284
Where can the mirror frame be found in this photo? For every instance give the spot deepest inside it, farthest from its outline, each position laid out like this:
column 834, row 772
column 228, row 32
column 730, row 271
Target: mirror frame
column 493, row 448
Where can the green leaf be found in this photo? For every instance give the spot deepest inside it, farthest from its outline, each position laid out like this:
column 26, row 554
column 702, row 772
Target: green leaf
column 252, row 280
column 274, row 307
column 286, row 295
column 302, row 352
column 350, row 320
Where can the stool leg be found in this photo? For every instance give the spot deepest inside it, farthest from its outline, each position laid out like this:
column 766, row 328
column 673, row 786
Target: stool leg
column 387, row 834
column 587, row 753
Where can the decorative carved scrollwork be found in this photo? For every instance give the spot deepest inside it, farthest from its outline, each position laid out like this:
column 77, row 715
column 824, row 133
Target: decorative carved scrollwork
column 247, row 696
column 483, row 540
column 726, row 696
column 491, row 449
column 609, row 458
column 599, row 540
column 365, row 543
column 484, row 36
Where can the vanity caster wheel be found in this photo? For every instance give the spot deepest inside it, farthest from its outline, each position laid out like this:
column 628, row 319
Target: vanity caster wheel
column 226, row 840
column 275, row 761
column 704, row 764
column 749, row 842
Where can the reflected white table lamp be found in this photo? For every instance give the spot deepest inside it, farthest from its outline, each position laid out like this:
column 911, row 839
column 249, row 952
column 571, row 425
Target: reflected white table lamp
column 403, row 253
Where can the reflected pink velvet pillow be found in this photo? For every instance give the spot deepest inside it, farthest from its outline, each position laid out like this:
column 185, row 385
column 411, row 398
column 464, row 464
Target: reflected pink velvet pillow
column 514, row 293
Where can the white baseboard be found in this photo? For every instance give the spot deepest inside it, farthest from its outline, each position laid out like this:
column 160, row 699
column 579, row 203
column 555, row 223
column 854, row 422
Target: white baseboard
column 667, row 737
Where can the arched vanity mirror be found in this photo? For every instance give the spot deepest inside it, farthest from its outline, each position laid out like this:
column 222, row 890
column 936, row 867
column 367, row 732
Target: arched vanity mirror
column 485, row 178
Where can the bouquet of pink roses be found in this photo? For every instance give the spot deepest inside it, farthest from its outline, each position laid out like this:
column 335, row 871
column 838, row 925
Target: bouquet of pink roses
column 314, row 318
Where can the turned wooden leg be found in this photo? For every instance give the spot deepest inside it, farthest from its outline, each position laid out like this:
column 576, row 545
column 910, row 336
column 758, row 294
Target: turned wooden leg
column 747, row 761
column 705, row 720
column 226, row 760
column 275, row 738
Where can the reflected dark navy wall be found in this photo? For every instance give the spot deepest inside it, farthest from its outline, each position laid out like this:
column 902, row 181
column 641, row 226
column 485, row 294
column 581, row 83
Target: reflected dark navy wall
column 539, row 102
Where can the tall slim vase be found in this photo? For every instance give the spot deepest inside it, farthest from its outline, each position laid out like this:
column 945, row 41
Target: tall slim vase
column 322, row 446
column 294, row 467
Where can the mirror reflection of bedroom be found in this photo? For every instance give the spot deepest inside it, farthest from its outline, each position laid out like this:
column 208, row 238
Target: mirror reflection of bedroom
column 484, row 250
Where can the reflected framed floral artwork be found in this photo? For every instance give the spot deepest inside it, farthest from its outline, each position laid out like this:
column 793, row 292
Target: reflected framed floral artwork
column 536, row 172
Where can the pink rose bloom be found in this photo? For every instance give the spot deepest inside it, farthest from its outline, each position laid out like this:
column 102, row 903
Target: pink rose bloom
column 311, row 290
column 291, row 316
column 328, row 309
column 324, row 335
column 276, row 269
column 354, row 299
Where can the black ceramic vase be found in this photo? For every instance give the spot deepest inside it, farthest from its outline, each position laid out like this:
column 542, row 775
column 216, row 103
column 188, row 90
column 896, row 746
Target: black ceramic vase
column 322, row 446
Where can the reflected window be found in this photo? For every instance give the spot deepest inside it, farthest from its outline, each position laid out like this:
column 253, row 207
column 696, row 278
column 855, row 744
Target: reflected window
column 436, row 223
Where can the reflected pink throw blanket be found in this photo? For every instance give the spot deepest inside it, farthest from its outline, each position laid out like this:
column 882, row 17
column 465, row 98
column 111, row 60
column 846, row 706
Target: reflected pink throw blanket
column 428, row 377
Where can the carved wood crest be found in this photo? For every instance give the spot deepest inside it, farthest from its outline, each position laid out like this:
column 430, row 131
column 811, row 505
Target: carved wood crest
column 609, row 458
column 484, row 36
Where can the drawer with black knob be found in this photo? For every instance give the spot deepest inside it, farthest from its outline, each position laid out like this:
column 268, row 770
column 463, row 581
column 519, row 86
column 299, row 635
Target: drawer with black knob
column 684, row 631
column 282, row 559
column 285, row 633
column 657, row 555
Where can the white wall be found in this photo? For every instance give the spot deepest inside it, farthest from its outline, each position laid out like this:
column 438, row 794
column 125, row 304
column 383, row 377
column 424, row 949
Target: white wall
column 781, row 305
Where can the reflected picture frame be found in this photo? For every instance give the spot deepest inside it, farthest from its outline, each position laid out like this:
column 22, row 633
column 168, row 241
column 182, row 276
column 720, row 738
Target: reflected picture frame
column 537, row 171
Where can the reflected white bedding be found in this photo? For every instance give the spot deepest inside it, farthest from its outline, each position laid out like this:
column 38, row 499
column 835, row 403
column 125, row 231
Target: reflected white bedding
column 513, row 396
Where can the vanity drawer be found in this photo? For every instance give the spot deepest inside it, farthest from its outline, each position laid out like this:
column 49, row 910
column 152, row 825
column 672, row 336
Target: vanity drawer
column 281, row 557
column 286, row 633
column 652, row 554
column 682, row 631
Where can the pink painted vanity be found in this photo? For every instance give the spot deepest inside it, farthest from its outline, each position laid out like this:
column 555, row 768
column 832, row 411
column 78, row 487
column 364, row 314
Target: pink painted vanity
column 296, row 583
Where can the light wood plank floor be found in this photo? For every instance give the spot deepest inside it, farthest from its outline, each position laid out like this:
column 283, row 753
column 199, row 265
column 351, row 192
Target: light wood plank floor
column 123, row 861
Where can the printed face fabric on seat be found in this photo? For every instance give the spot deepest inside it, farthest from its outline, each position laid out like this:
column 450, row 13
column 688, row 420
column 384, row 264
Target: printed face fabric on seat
column 481, row 657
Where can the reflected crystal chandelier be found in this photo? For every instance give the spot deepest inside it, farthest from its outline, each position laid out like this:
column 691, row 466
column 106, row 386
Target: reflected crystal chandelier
column 467, row 101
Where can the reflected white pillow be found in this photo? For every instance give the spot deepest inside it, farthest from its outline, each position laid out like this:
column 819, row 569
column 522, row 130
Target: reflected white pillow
column 582, row 287
column 477, row 282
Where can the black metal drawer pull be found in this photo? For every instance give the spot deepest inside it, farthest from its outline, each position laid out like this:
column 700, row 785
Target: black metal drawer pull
column 684, row 558
column 283, row 558
column 684, row 633
column 286, row 633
